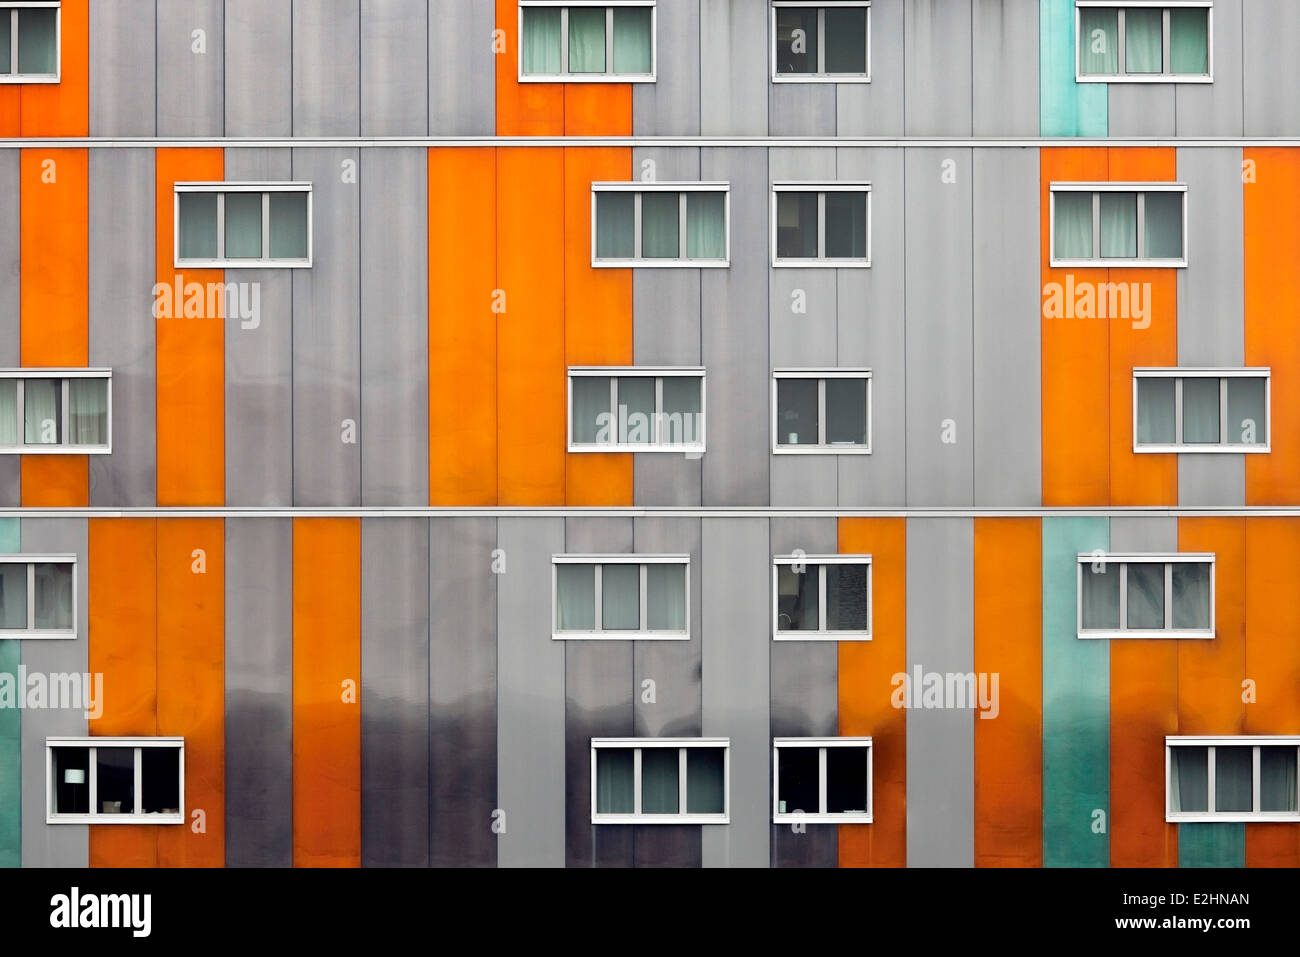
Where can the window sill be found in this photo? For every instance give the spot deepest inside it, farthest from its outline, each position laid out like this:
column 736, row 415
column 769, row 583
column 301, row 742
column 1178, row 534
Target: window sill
column 1117, row 263
column 242, row 264
column 660, row 819
column 821, row 636
column 821, row 450
column 593, row 78
column 115, row 818
column 1201, row 449
column 41, row 635
column 55, row 450
column 620, row 636
column 1230, row 817
column 32, row 78
column 1143, row 78
column 1146, row 635
column 847, row 818
column 660, row 263
column 821, row 263
column 694, row 451
column 819, row 78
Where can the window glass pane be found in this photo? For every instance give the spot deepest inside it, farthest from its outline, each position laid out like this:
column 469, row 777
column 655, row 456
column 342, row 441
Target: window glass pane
column 115, row 780
column 1072, row 213
column 846, row 411
column 1155, row 412
column 796, row 225
column 43, row 411
column 1189, row 45
column 592, row 420
column 1143, row 40
column 636, row 407
column 1098, row 41
column 198, row 225
column 6, row 42
column 88, row 411
column 1146, row 595
column 1119, row 225
column 586, row 39
column 705, row 792
column 621, row 598
column 615, row 225
column 798, row 778
column 243, row 225
column 666, row 597
column 615, row 781
column 1247, row 412
column 1163, row 224
column 541, row 43
column 706, row 226
column 1191, row 584
column 632, row 40
column 37, row 45
column 1277, row 778
column 1100, row 595
column 575, row 599
column 846, row 225
column 13, row 595
column 1189, row 779
column 846, row 780
column 796, row 40
column 796, row 411
column 54, row 595
column 8, row 409
column 1233, row 772
column 1201, row 410
column 796, row 598
column 659, row 780
column 846, row 598
column 682, row 422
column 289, row 225
column 72, row 780
column 659, row 237
column 846, row 40
column 161, row 775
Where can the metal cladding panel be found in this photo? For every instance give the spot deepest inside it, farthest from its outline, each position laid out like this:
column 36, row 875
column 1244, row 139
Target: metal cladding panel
column 876, row 108
column 462, row 73
column 671, row 105
column 937, row 65
column 395, row 67
column 802, row 109
column 1271, row 71
column 327, row 68
column 259, row 67
column 1004, row 76
column 10, row 258
column 1215, row 109
column 1065, row 106
column 1141, row 109
column 191, row 68
column 734, row 67
column 122, row 64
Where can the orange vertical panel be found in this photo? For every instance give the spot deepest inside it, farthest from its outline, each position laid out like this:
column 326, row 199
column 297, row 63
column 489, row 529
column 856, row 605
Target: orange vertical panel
column 63, row 108
column 326, row 715
column 11, row 110
column 1008, row 643
column 1210, row 672
column 192, row 681
column 866, row 671
column 531, row 390
column 191, row 417
column 462, row 327
column 597, row 317
column 598, row 109
column 523, row 109
column 122, row 646
column 1272, row 304
column 1075, row 357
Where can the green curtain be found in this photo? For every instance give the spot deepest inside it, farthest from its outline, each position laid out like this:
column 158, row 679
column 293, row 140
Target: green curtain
column 615, row 225
column 43, row 411
column 659, row 231
column 620, row 597
column 1163, row 225
column 586, row 39
column 1118, row 225
column 1073, row 225
column 1191, row 584
column 590, row 403
column 1189, row 44
column 615, row 782
column 575, row 599
column 1277, row 778
column 37, row 41
column 53, row 595
column 1143, row 40
column 705, row 782
column 1100, row 598
column 88, row 411
column 681, row 410
column 289, row 225
column 1233, row 779
column 636, row 400
column 1098, row 41
column 1146, row 595
column 541, row 42
column 1189, row 779
column 659, row 785
column 1155, row 411
column 632, row 41
column 1247, row 412
column 243, row 226
column 846, row 41
column 198, row 238
column 9, row 412
column 1200, row 410
column 706, row 226
column 666, row 597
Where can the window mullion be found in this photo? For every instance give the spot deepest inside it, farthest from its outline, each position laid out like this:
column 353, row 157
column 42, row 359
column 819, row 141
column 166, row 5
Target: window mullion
column 564, row 41
column 31, row 597
column 21, row 428
column 1169, row 596
column 636, row 225
column 1223, row 411
column 1165, row 46
column 822, row 803
column 613, row 405
column 821, row 598
column 681, row 781
column 682, row 251
column 609, row 41
column 266, row 226
column 1211, row 784
column 13, row 42
column 821, row 225
column 1178, row 411
column 1141, row 225
column 657, row 432
column 1123, row 596
column 636, row 781
column 221, row 225
column 1096, row 225
column 137, row 800
column 643, row 586
column 1121, row 64
column 65, row 418
column 1254, row 779
column 598, row 582
column 92, row 779
column 821, row 41
column 821, row 412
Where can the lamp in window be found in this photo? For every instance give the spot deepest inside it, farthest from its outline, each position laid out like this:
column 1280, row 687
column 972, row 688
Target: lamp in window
column 75, row 777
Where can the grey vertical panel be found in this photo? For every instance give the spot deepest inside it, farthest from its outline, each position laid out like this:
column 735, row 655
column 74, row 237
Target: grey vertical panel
column 122, row 325
column 259, row 692
column 1008, row 332
column 530, row 697
column 122, row 59
column 327, row 68
column 1144, row 534
column 870, row 332
column 10, row 273
column 939, row 328
column 1215, row 109
column 462, row 69
column 395, row 327
column 327, row 335
column 1141, row 109
column 259, row 68
column 805, row 696
column 1211, row 297
column 734, row 336
column 1270, row 68
column 598, row 693
column 259, row 362
column 937, row 64
column 395, row 692
column 1004, row 68
column 671, row 105
column 940, row 742
column 802, row 109
column 191, row 95
column 674, row 667
column 67, row 845
column 395, row 67
column 876, row 108
column 734, row 67
column 463, row 693
column 736, row 623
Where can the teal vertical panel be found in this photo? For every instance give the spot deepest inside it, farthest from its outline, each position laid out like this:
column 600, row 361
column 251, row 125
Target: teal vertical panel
column 1076, row 706
column 1065, row 107
column 1211, row 845
column 11, row 767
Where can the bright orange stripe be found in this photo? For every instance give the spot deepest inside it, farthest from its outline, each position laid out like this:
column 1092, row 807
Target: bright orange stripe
column 11, row 110
column 326, row 728
column 63, row 108
column 866, row 670
column 598, row 109
column 523, row 109
column 55, row 481
column 1210, row 672
column 1008, row 643
column 192, row 681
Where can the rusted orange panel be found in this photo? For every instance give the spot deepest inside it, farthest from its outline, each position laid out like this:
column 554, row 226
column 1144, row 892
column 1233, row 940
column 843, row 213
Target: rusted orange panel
column 523, row 109
column 1210, row 672
column 866, row 670
column 327, row 692
column 55, row 481
column 1008, row 643
column 191, row 416
column 192, row 681
column 598, row 109
column 11, row 110
column 63, row 108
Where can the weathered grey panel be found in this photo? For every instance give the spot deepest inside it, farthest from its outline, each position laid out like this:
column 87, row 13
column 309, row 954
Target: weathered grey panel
column 1215, row 109
column 122, row 59
column 1004, row 79
column 937, row 64
column 191, row 94
column 802, row 109
column 327, row 68
column 940, row 742
column 394, row 67
column 462, row 69
column 259, row 692
column 1270, row 68
column 1144, row 534
column 1141, row 109
column 876, row 108
column 671, row 105
column 121, row 212
column 734, row 67
column 259, row 72
column 10, row 309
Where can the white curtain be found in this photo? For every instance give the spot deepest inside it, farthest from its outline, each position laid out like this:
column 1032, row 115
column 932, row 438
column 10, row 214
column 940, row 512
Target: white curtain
column 541, row 42
column 575, row 597
column 198, row 238
column 659, row 787
column 1189, row 46
column 1146, row 595
column 1277, row 778
column 1246, row 411
column 666, row 597
column 53, row 596
column 88, row 411
column 591, row 401
column 1200, row 410
column 289, row 225
column 1191, row 586
column 1233, row 776
column 1119, row 225
column 1155, row 411
column 704, row 781
column 243, row 225
column 1073, row 225
column 632, row 40
column 1143, row 40
column 1101, row 596
column 659, row 238
column 1162, row 216
column 706, row 226
column 13, row 595
column 586, row 39
column 615, row 225
column 1098, row 41
column 1189, row 779
column 43, row 411
column 614, row 781
column 8, row 410
column 621, row 597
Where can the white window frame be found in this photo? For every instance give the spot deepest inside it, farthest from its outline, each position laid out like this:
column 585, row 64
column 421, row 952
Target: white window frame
column 644, row 633
column 1141, row 188
column 31, row 631
column 564, row 76
column 1166, row 77
column 821, row 375
column 12, row 9
column 658, row 373
column 821, row 189
column 819, row 77
column 822, row 633
column 682, row 745
column 1214, row 741
column 1124, row 559
column 266, row 189
column 64, row 376
column 99, row 817
column 821, row 815
column 1223, row 375
column 664, row 187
